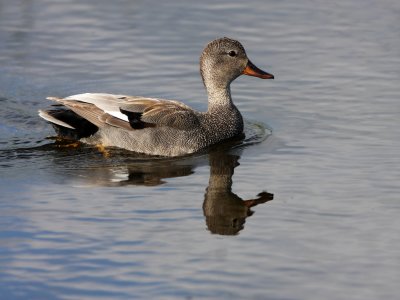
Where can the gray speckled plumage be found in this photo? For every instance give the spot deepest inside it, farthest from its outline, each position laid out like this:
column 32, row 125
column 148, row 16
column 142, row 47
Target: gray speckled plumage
column 159, row 126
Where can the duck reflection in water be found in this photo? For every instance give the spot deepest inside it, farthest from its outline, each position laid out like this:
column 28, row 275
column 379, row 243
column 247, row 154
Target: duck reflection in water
column 226, row 212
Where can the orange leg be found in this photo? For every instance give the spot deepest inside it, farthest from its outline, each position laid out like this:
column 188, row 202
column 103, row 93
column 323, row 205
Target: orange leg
column 103, row 150
column 63, row 143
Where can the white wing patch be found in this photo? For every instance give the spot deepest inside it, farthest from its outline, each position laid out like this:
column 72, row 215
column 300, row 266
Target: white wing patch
column 108, row 103
column 118, row 115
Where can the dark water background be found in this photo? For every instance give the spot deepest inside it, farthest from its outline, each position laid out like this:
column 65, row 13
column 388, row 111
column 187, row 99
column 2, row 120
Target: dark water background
column 77, row 225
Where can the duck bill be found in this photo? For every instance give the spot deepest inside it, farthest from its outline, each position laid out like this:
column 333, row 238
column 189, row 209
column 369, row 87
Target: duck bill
column 252, row 70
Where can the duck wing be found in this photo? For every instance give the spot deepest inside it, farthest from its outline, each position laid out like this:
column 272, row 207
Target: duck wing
column 130, row 112
column 161, row 112
column 91, row 113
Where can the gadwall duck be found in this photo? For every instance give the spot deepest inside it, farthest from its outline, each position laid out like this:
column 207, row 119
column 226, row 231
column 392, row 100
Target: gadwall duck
column 158, row 126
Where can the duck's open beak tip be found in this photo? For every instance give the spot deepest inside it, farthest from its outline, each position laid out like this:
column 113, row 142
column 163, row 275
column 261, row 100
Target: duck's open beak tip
column 252, row 70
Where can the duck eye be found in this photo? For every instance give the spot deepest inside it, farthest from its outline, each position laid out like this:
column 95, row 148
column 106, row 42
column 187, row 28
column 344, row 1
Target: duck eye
column 232, row 53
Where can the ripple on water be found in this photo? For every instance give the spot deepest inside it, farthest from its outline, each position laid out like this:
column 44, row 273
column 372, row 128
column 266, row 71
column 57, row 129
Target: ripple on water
column 119, row 166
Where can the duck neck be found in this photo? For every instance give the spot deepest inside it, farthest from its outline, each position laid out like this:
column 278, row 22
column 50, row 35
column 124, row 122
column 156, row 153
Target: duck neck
column 225, row 119
column 219, row 98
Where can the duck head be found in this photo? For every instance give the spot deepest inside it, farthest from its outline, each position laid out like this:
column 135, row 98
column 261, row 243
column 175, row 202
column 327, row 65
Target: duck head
column 223, row 60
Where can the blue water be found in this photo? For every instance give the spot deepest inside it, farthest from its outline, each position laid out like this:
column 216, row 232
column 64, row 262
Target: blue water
column 75, row 224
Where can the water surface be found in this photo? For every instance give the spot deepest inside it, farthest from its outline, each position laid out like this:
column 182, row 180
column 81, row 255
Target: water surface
column 75, row 224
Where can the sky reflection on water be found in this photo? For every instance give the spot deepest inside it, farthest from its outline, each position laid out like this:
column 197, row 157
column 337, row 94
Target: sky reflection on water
column 75, row 225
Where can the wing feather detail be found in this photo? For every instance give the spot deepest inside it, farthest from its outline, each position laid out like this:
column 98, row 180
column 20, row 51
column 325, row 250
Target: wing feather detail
column 131, row 112
column 164, row 113
column 92, row 113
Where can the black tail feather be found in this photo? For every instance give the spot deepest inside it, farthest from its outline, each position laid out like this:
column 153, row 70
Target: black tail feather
column 83, row 128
